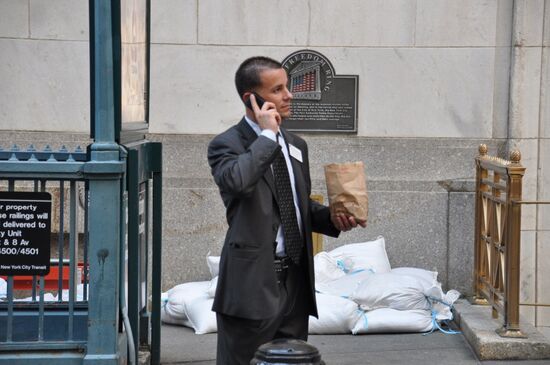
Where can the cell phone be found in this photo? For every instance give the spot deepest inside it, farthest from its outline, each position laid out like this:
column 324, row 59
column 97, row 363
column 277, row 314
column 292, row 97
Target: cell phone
column 259, row 100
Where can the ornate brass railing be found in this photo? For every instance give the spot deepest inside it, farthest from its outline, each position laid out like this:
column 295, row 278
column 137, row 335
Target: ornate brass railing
column 497, row 237
column 317, row 237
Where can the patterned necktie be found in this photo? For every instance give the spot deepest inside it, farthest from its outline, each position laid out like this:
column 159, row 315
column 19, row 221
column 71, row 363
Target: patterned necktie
column 291, row 231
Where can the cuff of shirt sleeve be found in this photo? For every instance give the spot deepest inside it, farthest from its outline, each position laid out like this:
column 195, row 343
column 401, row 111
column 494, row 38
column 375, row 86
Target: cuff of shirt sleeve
column 269, row 134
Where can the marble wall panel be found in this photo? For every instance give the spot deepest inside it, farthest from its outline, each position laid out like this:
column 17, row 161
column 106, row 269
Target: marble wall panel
column 543, row 277
column 192, row 87
column 525, row 92
column 528, row 22
column 428, row 92
column 45, row 86
column 456, row 23
column 528, row 271
column 543, row 193
column 529, row 149
column 14, row 19
column 250, row 23
column 365, row 23
column 501, row 94
column 174, row 21
column 402, row 92
column 59, row 19
column 544, row 122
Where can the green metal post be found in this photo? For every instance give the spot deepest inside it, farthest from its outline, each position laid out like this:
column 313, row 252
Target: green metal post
column 134, row 274
column 105, row 171
column 156, row 159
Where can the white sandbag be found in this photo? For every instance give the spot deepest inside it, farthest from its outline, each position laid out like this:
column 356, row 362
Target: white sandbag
column 201, row 316
column 48, row 297
column 336, row 315
column 79, row 293
column 167, row 317
column 345, row 285
column 387, row 320
column 213, row 263
column 426, row 277
column 327, row 268
column 442, row 303
column 212, row 289
column 366, row 255
column 3, row 288
column 181, row 295
column 390, row 290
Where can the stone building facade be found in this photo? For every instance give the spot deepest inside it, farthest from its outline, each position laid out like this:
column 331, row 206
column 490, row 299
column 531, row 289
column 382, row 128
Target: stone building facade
column 436, row 79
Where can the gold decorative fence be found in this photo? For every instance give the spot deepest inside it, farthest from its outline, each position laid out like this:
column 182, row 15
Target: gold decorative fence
column 497, row 237
column 317, row 237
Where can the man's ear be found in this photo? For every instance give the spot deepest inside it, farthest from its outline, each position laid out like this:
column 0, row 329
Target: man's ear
column 245, row 96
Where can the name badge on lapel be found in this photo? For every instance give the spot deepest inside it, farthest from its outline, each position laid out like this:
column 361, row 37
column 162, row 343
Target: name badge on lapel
column 295, row 152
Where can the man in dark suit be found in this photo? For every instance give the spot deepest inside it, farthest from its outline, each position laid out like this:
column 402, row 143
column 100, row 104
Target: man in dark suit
column 266, row 287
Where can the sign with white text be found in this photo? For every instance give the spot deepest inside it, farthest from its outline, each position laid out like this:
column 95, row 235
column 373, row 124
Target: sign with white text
column 25, row 221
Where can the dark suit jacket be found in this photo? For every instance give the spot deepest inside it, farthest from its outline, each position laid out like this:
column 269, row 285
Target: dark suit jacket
column 241, row 167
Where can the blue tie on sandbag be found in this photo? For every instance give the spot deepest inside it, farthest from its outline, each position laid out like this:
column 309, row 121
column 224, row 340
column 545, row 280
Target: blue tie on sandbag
column 436, row 323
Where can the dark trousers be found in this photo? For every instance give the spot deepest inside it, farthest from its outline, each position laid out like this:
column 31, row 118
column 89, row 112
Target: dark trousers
column 239, row 338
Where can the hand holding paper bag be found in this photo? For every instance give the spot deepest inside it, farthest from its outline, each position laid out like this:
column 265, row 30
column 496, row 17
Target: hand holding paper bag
column 347, row 192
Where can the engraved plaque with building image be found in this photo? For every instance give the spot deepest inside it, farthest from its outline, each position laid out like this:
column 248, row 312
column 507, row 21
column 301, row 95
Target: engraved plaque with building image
column 323, row 101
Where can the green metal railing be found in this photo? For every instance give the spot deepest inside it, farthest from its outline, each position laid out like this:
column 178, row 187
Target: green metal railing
column 103, row 326
column 144, row 169
column 38, row 319
column 42, row 331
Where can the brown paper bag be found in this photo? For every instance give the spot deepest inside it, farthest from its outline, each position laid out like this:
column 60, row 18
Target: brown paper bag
column 347, row 189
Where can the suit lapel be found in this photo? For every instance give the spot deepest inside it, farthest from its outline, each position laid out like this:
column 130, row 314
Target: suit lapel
column 247, row 133
column 268, row 177
column 248, row 136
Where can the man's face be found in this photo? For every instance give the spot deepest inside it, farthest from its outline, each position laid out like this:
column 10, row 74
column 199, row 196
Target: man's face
column 273, row 88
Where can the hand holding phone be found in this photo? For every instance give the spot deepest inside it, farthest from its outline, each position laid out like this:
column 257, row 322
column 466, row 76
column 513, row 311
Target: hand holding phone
column 259, row 100
column 266, row 117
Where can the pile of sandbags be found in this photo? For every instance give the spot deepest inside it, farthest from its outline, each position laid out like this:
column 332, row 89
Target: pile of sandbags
column 357, row 292
column 385, row 300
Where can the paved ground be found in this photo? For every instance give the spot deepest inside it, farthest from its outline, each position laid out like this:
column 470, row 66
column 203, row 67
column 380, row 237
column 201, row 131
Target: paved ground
column 181, row 346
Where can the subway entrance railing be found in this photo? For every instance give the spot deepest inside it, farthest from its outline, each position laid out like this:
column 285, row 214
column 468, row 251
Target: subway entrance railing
column 99, row 241
column 35, row 310
column 47, row 317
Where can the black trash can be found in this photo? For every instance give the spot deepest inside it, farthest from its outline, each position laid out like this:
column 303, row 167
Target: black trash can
column 287, row 351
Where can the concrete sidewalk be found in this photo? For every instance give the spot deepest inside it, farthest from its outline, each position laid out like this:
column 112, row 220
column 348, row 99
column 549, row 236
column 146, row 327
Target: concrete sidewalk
column 479, row 328
column 181, row 346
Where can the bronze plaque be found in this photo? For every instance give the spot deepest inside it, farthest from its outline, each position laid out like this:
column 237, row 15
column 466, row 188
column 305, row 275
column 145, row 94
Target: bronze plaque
column 323, row 101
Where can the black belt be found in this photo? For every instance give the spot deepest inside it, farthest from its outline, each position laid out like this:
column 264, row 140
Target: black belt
column 281, row 265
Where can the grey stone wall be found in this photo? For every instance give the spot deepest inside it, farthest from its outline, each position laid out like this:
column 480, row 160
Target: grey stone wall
column 415, row 202
column 420, row 199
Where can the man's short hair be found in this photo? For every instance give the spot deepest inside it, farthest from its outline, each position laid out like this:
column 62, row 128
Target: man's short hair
column 247, row 77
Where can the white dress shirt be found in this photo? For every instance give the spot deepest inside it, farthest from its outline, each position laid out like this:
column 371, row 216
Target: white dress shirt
column 280, row 250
